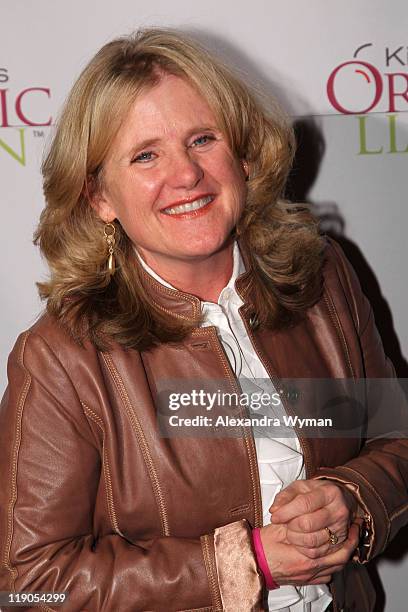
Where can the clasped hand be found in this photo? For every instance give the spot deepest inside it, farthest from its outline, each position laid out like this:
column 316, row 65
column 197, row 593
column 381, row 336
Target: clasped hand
column 296, row 543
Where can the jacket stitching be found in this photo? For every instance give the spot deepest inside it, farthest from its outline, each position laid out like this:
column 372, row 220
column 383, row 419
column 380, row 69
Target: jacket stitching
column 13, row 498
column 374, row 492
column 173, row 314
column 142, row 442
column 200, row 610
column 202, row 330
column 163, row 289
column 247, row 435
column 398, row 512
column 106, row 469
column 367, row 323
column 211, row 572
column 339, row 256
column 335, row 319
column 251, row 468
column 369, row 486
column 240, row 510
column 255, row 470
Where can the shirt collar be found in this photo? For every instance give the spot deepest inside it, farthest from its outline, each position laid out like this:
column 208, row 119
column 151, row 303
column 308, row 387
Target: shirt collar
column 152, row 273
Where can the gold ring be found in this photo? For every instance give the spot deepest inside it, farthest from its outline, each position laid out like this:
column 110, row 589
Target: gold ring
column 333, row 539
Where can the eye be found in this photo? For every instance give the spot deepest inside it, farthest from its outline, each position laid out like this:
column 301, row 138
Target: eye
column 145, row 156
column 202, row 140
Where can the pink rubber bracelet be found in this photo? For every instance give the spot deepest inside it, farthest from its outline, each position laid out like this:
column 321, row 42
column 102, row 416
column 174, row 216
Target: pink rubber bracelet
column 262, row 562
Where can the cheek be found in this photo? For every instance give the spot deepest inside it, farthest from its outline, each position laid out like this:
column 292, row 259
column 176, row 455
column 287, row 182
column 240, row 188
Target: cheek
column 148, row 187
column 134, row 198
column 229, row 174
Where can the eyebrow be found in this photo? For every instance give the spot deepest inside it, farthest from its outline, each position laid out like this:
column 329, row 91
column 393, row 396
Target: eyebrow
column 144, row 144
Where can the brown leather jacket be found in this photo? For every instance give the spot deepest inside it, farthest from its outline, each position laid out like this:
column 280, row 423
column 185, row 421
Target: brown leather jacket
column 94, row 502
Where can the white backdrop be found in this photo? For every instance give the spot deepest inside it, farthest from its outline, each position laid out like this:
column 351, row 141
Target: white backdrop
column 352, row 163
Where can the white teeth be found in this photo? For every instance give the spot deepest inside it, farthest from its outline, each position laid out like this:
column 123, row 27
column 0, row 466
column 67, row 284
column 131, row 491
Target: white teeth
column 189, row 206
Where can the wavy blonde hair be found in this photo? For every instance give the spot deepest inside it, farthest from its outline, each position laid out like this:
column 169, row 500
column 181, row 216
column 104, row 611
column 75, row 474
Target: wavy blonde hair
column 281, row 241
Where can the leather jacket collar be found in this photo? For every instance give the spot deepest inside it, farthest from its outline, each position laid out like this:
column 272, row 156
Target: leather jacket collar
column 185, row 305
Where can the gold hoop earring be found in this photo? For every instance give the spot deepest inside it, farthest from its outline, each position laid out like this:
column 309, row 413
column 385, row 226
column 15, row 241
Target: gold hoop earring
column 109, row 232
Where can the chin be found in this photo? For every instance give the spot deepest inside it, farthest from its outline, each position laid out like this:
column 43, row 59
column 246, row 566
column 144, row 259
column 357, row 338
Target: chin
column 206, row 248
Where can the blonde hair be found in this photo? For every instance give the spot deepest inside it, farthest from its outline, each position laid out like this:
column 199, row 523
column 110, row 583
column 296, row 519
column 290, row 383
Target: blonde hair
column 282, row 243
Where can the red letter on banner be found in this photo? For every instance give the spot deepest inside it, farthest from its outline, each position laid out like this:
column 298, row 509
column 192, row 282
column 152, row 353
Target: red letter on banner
column 19, row 112
column 3, row 108
column 392, row 93
column 378, row 88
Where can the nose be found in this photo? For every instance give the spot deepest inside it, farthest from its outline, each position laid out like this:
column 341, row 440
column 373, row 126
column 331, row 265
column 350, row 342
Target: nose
column 184, row 171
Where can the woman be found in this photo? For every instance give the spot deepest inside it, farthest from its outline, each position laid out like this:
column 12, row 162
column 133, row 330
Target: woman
column 172, row 258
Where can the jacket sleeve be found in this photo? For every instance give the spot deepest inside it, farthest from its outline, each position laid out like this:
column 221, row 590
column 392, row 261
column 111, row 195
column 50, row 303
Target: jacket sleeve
column 48, row 539
column 378, row 476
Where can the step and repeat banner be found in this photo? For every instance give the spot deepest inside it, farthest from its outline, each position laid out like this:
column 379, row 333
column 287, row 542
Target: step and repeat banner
column 340, row 70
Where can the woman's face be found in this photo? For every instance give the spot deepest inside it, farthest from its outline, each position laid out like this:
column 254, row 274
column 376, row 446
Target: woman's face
column 170, row 177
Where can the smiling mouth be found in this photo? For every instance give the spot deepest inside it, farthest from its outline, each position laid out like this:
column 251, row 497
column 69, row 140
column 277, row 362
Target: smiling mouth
column 188, row 206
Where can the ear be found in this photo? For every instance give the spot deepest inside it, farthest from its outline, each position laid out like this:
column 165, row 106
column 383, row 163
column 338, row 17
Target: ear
column 100, row 201
column 245, row 167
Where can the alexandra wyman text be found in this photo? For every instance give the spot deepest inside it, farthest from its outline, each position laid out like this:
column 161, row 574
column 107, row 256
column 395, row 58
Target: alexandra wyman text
column 255, row 421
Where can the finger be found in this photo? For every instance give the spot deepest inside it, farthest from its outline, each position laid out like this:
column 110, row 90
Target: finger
column 339, row 557
column 351, row 542
column 320, row 569
column 336, row 517
column 284, row 497
column 339, row 531
column 295, row 488
column 316, row 552
column 314, row 530
column 304, row 503
column 334, row 561
column 316, row 539
column 308, row 523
